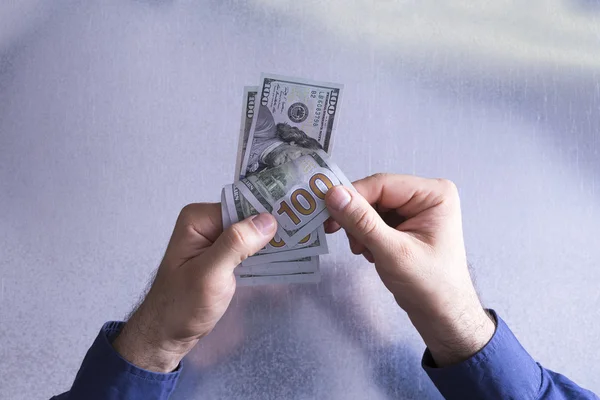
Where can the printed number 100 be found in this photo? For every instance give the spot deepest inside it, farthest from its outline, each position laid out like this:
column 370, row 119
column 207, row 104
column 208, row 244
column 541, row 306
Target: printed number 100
column 308, row 197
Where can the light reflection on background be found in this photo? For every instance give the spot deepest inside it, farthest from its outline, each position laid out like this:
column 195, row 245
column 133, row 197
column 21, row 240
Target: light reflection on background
column 561, row 32
column 115, row 114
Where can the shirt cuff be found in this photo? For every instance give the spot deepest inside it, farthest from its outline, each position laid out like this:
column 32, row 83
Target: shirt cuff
column 502, row 369
column 104, row 374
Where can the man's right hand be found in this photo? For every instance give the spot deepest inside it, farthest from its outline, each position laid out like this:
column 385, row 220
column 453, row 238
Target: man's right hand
column 411, row 229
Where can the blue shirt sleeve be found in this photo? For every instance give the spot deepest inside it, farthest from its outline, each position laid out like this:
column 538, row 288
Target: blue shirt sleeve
column 501, row 370
column 105, row 375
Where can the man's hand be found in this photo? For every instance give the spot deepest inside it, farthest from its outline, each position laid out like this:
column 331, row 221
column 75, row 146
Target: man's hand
column 411, row 229
column 193, row 287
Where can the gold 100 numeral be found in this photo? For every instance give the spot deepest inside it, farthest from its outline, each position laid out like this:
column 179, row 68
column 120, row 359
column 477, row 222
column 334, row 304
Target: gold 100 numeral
column 285, row 208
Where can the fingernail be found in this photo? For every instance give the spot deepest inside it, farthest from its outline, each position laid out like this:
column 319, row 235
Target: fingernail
column 338, row 198
column 264, row 223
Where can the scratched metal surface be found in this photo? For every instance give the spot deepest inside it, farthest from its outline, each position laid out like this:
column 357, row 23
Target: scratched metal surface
column 115, row 114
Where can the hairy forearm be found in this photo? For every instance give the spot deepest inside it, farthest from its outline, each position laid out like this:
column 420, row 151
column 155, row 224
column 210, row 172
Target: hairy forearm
column 455, row 334
column 141, row 344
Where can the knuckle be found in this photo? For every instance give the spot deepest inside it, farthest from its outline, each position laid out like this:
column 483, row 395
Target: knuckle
column 448, row 188
column 380, row 176
column 447, row 185
column 186, row 212
column 189, row 212
column 195, row 213
column 185, row 220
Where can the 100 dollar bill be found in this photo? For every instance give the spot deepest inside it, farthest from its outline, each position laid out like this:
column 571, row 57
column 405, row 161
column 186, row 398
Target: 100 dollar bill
column 294, row 193
column 248, row 108
column 238, row 208
column 290, row 117
column 303, row 270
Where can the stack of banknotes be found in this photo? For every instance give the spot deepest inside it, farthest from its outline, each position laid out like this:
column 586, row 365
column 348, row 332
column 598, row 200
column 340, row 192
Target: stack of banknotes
column 284, row 167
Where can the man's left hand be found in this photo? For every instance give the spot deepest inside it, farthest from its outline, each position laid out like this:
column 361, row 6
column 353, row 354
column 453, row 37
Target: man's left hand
column 193, row 287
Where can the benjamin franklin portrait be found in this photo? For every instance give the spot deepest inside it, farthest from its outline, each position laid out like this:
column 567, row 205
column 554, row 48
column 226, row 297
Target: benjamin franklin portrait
column 275, row 144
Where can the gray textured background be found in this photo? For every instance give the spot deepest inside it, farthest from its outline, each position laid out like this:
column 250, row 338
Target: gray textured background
column 114, row 114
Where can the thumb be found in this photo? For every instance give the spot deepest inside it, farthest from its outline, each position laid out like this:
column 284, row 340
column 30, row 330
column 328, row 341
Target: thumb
column 241, row 240
column 349, row 209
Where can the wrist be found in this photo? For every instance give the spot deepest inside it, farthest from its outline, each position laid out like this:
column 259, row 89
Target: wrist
column 142, row 345
column 454, row 334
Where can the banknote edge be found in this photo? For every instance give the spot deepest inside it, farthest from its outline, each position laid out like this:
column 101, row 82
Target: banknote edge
column 240, row 156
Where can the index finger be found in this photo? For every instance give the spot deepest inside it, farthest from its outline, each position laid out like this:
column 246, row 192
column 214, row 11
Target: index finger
column 409, row 195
